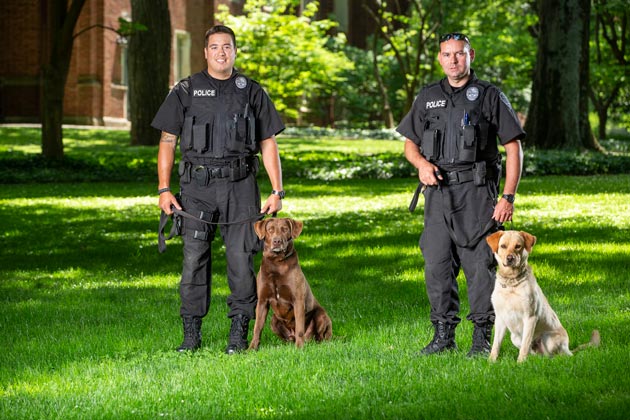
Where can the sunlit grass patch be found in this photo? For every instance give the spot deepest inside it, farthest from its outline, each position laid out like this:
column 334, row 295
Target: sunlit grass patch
column 89, row 310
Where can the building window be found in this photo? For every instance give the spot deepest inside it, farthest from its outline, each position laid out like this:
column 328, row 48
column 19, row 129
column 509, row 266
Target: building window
column 120, row 65
column 182, row 55
column 124, row 63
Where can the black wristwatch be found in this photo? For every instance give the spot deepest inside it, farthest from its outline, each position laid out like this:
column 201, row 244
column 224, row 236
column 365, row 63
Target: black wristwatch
column 278, row 193
column 508, row 197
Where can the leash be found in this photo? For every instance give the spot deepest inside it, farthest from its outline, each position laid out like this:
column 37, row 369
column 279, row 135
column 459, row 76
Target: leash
column 176, row 228
column 416, row 195
column 187, row 215
column 491, row 226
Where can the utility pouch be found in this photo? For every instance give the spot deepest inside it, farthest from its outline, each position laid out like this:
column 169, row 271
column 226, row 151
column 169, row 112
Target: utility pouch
column 431, row 144
column 178, row 219
column 176, row 228
column 187, row 133
column 483, row 134
column 200, row 175
column 479, row 171
column 241, row 128
column 251, row 129
column 184, row 172
column 200, row 137
column 238, row 134
column 467, row 144
column 238, row 170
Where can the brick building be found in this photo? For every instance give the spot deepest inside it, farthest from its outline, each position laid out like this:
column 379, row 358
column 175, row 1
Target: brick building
column 96, row 88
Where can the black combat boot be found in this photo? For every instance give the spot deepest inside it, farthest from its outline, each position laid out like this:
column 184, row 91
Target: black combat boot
column 192, row 334
column 481, row 340
column 443, row 339
column 238, row 334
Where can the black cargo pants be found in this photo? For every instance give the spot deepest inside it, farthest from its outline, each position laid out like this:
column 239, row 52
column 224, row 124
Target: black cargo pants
column 457, row 218
column 221, row 201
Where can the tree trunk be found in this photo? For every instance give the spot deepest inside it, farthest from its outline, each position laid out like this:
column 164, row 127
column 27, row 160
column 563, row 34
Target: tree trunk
column 558, row 112
column 149, row 67
column 587, row 138
column 61, row 21
column 52, row 94
column 387, row 115
column 603, row 120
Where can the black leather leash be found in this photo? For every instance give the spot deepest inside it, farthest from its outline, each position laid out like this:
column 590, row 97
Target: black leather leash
column 164, row 218
column 416, row 195
column 187, row 215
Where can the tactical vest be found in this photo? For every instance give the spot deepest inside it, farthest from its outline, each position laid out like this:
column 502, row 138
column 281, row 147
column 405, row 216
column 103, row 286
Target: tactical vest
column 455, row 130
column 219, row 124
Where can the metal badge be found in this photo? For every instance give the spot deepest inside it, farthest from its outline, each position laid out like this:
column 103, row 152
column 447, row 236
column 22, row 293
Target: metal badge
column 241, row 82
column 472, row 93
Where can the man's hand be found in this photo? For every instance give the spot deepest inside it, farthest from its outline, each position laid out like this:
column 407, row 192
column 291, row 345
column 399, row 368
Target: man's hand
column 503, row 211
column 429, row 174
column 167, row 199
column 272, row 205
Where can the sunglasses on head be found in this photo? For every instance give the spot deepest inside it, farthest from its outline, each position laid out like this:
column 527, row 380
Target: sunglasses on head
column 454, row 35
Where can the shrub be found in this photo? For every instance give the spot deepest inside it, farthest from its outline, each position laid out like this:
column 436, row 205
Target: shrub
column 114, row 160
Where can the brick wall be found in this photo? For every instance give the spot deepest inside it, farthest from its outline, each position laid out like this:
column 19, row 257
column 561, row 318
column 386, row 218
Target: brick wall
column 95, row 90
column 19, row 58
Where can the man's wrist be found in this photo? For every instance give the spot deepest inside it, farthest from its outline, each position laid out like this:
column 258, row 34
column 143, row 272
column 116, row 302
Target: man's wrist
column 509, row 198
column 163, row 190
column 280, row 193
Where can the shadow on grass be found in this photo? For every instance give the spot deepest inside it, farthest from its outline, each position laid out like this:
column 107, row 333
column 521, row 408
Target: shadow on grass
column 74, row 280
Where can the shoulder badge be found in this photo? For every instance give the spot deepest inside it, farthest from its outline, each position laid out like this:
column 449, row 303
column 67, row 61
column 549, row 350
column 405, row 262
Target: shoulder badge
column 472, row 93
column 241, row 82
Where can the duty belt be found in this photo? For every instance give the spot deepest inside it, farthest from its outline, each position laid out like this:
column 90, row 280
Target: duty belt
column 203, row 173
column 457, row 177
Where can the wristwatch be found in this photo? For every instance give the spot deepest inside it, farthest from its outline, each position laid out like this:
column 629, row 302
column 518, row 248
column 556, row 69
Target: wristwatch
column 508, row 197
column 278, row 193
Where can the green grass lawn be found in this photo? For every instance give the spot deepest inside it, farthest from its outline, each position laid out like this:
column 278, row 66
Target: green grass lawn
column 89, row 309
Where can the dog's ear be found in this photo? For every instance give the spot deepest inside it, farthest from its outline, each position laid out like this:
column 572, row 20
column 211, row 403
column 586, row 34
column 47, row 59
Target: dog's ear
column 296, row 228
column 260, row 227
column 493, row 240
column 529, row 239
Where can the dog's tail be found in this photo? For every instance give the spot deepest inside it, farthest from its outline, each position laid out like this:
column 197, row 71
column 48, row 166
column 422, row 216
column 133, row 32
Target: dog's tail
column 595, row 341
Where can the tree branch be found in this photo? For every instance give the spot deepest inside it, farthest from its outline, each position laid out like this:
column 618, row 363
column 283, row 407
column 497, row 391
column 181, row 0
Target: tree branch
column 75, row 36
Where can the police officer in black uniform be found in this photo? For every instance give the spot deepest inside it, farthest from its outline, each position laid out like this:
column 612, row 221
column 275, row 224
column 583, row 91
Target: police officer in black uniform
column 223, row 120
column 451, row 138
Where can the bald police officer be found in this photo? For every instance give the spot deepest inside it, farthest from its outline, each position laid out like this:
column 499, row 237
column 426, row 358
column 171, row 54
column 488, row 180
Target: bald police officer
column 451, row 138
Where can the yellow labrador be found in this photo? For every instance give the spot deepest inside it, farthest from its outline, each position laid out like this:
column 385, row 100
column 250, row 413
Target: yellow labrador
column 519, row 303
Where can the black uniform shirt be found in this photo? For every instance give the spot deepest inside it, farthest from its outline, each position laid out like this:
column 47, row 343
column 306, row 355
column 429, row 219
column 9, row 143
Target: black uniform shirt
column 170, row 116
column 496, row 108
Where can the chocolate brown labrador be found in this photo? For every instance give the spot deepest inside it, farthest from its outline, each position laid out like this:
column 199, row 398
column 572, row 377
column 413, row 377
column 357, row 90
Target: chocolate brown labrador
column 297, row 315
column 520, row 305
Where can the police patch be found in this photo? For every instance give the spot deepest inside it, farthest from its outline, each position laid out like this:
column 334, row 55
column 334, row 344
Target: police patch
column 241, row 82
column 436, row 104
column 204, row 92
column 472, row 93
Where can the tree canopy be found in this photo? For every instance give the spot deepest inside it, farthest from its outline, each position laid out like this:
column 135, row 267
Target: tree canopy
column 291, row 55
column 314, row 77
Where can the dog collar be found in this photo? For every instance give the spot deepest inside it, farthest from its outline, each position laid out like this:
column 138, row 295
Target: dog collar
column 514, row 283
